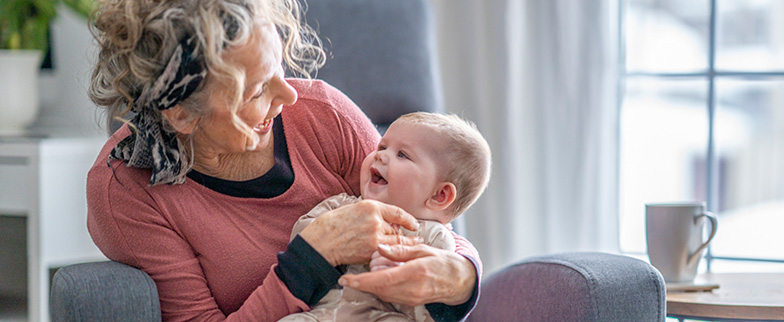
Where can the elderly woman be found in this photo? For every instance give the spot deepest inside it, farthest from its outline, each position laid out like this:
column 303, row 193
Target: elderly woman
column 201, row 188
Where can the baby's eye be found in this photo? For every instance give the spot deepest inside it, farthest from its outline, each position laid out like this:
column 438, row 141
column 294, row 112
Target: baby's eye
column 402, row 154
column 382, row 147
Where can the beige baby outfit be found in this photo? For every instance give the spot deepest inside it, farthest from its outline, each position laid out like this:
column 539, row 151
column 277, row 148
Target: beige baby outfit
column 348, row 304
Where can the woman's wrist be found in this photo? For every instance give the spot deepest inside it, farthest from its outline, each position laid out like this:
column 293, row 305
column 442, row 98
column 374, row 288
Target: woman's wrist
column 301, row 257
column 315, row 240
column 465, row 277
column 442, row 312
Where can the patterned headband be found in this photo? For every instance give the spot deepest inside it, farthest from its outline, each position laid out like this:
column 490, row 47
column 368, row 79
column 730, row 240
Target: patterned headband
column 152, row 146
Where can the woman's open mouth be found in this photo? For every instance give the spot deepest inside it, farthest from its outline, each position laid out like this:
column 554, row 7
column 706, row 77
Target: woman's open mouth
column 264, row 127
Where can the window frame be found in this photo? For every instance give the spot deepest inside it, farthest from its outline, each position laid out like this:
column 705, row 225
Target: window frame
column 711, row 74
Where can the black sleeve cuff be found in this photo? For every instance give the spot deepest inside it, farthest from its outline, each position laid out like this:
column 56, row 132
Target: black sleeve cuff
column 442, row 313
column 305, row 272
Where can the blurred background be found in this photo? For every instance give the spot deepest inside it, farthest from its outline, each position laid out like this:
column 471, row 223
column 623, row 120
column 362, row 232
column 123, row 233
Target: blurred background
column 595, row 108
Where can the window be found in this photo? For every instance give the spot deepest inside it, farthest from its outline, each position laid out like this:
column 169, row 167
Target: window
column 702, row 118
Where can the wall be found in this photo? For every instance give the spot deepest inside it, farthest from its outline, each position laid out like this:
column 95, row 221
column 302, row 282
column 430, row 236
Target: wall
column 66, row 109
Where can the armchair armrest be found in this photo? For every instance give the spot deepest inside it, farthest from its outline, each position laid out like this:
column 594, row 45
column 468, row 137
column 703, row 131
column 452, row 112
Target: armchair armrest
column 573, row 287
column 561, row 287
column 103, row 291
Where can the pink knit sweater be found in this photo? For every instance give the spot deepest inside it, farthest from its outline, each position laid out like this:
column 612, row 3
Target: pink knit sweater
column 211, row 255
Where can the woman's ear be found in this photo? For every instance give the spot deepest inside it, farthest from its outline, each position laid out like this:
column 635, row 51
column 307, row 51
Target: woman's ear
column 443, row 197
column 179, row 119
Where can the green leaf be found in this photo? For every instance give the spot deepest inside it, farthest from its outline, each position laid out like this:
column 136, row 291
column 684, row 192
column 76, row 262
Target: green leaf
column 35, row 33
column 24, row 24
column 46, row 9
column 14, row 41
column 82, row 7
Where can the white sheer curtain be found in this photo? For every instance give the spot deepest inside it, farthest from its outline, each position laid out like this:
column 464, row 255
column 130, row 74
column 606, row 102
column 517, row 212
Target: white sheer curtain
column 539, row 79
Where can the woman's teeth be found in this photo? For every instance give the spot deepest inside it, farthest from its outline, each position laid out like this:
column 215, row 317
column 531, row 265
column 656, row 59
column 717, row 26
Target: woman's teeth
column 264, row 125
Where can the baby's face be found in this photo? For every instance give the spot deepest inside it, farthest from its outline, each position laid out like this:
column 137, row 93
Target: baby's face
column 403, row 169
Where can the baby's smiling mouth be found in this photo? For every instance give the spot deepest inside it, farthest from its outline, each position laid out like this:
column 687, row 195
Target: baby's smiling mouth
column 375, row 177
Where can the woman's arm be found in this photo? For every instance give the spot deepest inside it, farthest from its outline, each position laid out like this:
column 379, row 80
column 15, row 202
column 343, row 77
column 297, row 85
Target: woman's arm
column 128, row 227
column 423, row 264
column 429, row 275
column 350, row 234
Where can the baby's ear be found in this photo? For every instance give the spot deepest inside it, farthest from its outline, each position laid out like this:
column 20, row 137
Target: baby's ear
column 179, row 119
column 443, row 197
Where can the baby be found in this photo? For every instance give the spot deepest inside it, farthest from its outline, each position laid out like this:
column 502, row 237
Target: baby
column 434, row 167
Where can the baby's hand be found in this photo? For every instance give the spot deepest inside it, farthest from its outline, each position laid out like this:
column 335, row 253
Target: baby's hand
column 378, row 262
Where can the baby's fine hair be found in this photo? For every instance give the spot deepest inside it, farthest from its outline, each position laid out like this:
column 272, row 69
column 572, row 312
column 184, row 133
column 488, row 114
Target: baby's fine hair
column 466, row 158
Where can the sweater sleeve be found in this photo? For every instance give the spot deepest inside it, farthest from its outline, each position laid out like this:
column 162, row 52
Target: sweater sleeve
column 306, row 273
column 359, row 138
column 352, row 139
column 127, row 226
column 465, row 248
column 335, row 128
column 442, row 312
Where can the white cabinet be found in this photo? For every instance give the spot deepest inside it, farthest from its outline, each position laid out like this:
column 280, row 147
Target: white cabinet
column 43, row 215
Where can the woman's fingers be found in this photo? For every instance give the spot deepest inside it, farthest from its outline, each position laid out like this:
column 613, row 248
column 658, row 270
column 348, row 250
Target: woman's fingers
column 430, row 275
column 396, row 216
column 350, row 234
column 404, row 253
column 379, row 262
column 399, row 239
column 375, row 281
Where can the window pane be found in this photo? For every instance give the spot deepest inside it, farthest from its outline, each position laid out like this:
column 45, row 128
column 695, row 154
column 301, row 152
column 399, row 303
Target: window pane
column 666, row 35
column 749, row 140
column 750, row 35
column 664, row 135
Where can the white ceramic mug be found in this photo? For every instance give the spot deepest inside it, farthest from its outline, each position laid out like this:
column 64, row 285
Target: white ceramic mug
column 674, row 234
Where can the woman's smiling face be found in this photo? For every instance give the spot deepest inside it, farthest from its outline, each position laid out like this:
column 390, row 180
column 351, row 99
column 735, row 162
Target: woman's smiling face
column 265, row 93
column 403, row 171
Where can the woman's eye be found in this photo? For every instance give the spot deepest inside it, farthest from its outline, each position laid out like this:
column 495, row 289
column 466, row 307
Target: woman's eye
column 261, row 93
column 255, row 97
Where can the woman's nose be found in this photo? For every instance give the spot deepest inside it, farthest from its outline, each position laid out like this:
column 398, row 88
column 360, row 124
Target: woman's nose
column 284, row 93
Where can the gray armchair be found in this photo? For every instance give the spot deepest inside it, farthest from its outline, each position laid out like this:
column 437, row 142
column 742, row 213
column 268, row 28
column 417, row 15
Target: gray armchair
column 582, row 287
column 382, row 56
column 587, row 287
column 103, row 291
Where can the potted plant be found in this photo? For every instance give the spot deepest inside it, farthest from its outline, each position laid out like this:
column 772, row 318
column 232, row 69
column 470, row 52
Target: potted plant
column 24, row 38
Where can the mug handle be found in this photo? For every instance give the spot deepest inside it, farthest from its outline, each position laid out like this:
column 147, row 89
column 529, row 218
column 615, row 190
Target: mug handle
column 714, row 225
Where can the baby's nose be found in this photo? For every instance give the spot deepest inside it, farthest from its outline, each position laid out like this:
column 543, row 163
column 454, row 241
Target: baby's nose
column 382, row 156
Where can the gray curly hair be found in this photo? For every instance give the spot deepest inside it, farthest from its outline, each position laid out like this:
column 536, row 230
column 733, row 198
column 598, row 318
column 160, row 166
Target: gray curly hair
column 137, row 38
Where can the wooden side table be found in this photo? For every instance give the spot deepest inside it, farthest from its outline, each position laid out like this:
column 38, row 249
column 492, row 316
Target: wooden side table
column 740, row 297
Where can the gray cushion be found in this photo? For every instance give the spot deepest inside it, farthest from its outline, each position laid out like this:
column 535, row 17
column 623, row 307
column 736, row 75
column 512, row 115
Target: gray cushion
column 573, row 287
column 380, row 54
column 103, row 291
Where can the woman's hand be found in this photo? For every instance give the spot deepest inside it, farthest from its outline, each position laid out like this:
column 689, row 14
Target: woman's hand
column 350, row 234
column 429, row 275
column 379, row 262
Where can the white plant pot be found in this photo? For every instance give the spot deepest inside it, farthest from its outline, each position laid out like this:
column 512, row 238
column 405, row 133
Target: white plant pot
column 18, row 89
